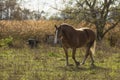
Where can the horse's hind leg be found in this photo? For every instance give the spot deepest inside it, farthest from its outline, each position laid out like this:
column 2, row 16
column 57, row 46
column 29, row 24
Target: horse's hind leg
column 92, row 63
column 88, row 52
column 73, row 56
column 86, row 55
column 66, row 54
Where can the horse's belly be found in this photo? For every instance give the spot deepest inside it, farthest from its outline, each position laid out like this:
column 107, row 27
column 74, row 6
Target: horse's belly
column 81, row 42
column 81, row 45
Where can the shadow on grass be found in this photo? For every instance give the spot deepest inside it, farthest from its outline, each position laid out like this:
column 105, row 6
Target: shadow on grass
column 81, row 68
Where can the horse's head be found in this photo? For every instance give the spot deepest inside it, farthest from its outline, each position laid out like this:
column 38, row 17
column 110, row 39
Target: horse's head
column 58, row 33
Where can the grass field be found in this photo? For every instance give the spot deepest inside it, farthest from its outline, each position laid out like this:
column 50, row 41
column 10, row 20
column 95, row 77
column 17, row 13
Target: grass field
column 48, row 63
column 19, row 62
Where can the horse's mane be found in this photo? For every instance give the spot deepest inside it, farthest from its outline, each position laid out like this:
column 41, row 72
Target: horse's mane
column 82, row 28
column 65, row 25
column 67, row 30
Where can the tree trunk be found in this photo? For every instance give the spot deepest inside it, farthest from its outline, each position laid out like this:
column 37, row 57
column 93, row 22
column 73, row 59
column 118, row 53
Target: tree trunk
column 99, row 35
column 99, row 29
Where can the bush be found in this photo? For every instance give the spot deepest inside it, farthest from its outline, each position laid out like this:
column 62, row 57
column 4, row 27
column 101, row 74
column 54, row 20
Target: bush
column 6, row 42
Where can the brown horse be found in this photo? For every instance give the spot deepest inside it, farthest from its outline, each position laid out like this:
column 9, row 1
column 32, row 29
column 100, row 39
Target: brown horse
column 76, row 38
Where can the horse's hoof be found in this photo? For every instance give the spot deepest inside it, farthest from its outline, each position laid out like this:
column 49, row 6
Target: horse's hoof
column 82, row 63
column 69, row 65
column 92, row 64
column 77, row 63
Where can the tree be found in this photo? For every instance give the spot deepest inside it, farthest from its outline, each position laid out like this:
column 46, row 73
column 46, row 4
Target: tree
column 97, row 12
column 2, row 8
column 14, row 10
column 7, row 9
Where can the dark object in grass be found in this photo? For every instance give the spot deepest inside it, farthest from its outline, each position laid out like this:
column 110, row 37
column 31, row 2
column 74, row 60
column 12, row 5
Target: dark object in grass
column 32, row 42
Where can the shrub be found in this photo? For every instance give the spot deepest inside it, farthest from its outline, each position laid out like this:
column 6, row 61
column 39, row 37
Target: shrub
column 6, row 42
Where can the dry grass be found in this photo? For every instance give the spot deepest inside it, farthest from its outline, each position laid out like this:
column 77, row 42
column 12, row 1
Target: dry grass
column 25, row 29
column 22, row 30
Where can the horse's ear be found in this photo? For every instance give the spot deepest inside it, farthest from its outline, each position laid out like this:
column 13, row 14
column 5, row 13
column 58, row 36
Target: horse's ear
column 56, row 26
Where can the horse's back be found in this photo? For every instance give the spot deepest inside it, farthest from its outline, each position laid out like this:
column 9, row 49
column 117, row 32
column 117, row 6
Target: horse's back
column 91, row 34
column 87, row 34
column 78, row 37
column 82, row 29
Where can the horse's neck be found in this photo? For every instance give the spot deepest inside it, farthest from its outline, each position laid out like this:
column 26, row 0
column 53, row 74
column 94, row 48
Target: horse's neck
column 68, row 34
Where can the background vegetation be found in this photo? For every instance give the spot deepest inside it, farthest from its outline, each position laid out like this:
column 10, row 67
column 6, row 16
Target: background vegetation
column 21, row 31
column 19, row 62
column 17, row 24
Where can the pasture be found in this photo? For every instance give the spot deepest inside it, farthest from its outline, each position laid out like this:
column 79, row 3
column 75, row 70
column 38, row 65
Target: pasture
column 19, row 62
column 48, row 62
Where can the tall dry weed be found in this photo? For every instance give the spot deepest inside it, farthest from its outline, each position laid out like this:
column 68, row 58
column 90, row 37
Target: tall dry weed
column 22, row 30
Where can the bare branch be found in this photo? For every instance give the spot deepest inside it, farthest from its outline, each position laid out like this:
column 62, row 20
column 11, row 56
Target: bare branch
column 103, row 9
column 81, row 4
column 68, row 12
column 106, row 7
column 94, row 2
column 89, row 4
column 56, row 8
column 110, row 28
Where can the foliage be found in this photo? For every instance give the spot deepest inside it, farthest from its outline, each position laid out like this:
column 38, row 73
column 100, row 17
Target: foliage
column 6, row 41
column 12, row 10
column 21, row 31
column 96, row 12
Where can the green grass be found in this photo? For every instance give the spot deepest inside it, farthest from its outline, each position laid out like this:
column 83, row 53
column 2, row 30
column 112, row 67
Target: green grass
column 48, row 63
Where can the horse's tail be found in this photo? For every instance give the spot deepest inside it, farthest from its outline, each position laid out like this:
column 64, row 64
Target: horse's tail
column 93, row 47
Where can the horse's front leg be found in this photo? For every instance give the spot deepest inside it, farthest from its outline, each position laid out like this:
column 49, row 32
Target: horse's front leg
column 73, row 56
column 66, row 54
